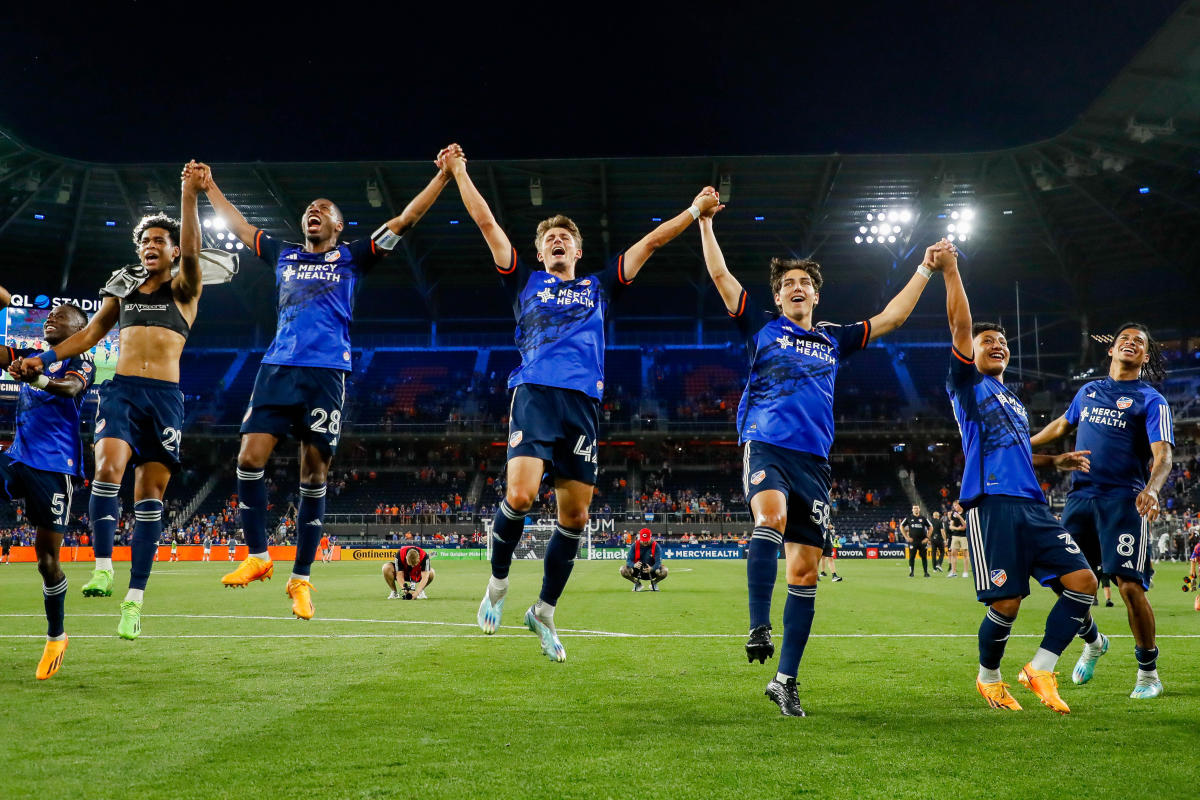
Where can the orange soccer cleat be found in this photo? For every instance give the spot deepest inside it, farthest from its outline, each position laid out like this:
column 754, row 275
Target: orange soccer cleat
column 1044, row 684
column 252, row 569
column 997, row 695
column 52, row 658
column 301, row 593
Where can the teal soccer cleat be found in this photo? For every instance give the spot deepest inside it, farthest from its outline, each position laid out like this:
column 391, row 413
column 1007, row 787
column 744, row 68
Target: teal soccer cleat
column 551, row 646
column 1086, row 664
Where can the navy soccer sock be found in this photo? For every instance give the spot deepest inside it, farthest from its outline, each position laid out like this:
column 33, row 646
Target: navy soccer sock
column 1089, row 632
column 507, row 527
column 762, row 566
column 558, row 562
column 147, row 530
column 1147, row 658
column 798, row 612
column 55, row 598
column 993, row 636
column 252, row 503
column 104, row 507
column 310, row 519
column 1063, row 622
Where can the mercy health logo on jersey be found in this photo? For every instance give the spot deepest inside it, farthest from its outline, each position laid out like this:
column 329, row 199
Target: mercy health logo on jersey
column 807, row 347
column 999, row 577
column 310, row 272
column 567, row 297
column 1105, row 416
column 45, row 301
column 1124, row 402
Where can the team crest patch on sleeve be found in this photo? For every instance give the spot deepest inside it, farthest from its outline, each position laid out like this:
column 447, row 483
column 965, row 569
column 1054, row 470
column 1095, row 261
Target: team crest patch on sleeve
column 1124, row 402
column 998, row 577
column 100, row 425
column 55, row 367
column 516, row 438
column 345, row 355
column 758, row 477
column 87, row 367
column 599, row 386
column 333, row 255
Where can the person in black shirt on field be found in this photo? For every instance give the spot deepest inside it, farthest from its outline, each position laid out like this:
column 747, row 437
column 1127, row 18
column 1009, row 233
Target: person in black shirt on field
column 937, row 540
column 916, row 530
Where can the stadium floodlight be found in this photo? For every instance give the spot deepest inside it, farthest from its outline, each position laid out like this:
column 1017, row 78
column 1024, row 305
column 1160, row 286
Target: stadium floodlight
column 862, row 228
column 870, row 240
column 906, row 215
column 870, row 217
column 891, row 240
column 229, row 245
column 858, row 240
column 883, row 225
column 535, row 191
column 218, row 223
column 239, row 245
column 221, row 235
column 208, row 223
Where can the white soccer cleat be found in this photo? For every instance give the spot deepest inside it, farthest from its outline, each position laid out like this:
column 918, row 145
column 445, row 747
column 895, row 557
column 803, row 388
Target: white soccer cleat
column 1146, row 688
column 551, row 647
column 489, row 615
column 394, row 595
column 1086, row 665
column 422, row 596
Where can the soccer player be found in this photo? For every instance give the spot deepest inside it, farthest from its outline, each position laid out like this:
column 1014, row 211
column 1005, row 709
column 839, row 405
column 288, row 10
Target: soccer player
column 208, row 539
column 174, row 547
column 785, row 421
column 231, row 544
column 44, row 461
column 937, row 540
column 829, row 555
column 556, row 389
column 915, row 528
column 411, row 564
column 1126, row 424
column 140, row 416
column 301, row 383
column 958, row 540
column 1012, row 532
column 6, row 541
column 644, row 562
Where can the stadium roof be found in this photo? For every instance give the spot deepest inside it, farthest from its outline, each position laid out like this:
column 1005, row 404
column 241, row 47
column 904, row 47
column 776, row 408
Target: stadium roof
column 1102, row 220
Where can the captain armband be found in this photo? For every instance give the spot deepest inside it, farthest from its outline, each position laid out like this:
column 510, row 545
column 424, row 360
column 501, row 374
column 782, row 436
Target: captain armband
column 384, row 238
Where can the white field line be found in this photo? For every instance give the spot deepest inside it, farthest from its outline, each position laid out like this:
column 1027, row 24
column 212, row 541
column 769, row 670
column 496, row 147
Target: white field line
column 578, row 633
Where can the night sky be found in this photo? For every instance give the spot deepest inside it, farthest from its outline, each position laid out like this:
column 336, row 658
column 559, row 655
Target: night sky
column 140, row 82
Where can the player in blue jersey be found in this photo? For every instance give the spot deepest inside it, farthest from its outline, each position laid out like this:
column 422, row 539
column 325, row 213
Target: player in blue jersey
column 785, row 422
column 1013, row 536
column 301, row 382
column 556, row 389
column 46, row 458
column 140, row 416
column 1126, row 424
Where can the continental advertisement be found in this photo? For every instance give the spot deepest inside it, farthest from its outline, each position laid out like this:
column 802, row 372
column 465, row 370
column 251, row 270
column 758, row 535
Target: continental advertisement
column 388, row 553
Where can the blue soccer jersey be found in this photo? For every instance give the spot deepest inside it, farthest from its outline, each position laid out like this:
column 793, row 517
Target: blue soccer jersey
column 788, row 399
column 316, row 300
column 1118, row 421
column 47, row 436
column 560, row 324
column 995, row 435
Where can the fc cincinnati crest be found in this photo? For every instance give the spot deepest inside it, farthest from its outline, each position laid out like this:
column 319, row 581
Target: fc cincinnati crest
column 55, row 367
column 100, row 425
column 586, row 282
column 516, row 438
column 1124, row 402
column 333, row 255
column 998, row 577
column 758, row 477
column 599, row 386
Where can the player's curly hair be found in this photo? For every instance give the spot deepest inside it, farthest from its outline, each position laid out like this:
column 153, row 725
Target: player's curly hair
column 159, row 220
column 557, row 221
column 782, row 266
column 1155, row 368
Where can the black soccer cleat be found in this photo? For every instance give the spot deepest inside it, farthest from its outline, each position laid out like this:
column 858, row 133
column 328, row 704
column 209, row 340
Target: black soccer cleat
column 784, row 695
column 759, row 645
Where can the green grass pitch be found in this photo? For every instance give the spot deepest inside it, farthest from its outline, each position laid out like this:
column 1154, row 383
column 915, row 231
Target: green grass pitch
column 225, row 695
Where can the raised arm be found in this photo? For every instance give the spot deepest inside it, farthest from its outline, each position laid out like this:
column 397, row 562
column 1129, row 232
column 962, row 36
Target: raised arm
column 423, row 201
column 497, row 241
column 227, row 211
column 99, row 325
column 636, row 256
column 728, row 286
column 958, row 309
column 1052, row 432
column 897, row 311
column 189, row 282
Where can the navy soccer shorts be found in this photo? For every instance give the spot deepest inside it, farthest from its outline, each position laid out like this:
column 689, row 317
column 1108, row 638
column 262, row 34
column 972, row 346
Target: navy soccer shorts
column 559, row 426
column 804, row 479
column 144, row 413
column 305, row 402
column 1013, row 539
column 1113, row 535
column 47, row 495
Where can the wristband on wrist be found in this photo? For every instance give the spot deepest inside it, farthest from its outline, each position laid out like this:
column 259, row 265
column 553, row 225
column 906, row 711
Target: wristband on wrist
column 924, row 271
column 48, row 357
column 694, row 211
column 41, row 382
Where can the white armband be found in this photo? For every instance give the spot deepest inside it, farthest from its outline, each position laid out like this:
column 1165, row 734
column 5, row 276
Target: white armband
column 384, row 238
column 41, row 382
column 694, row 211
column 924, row 271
